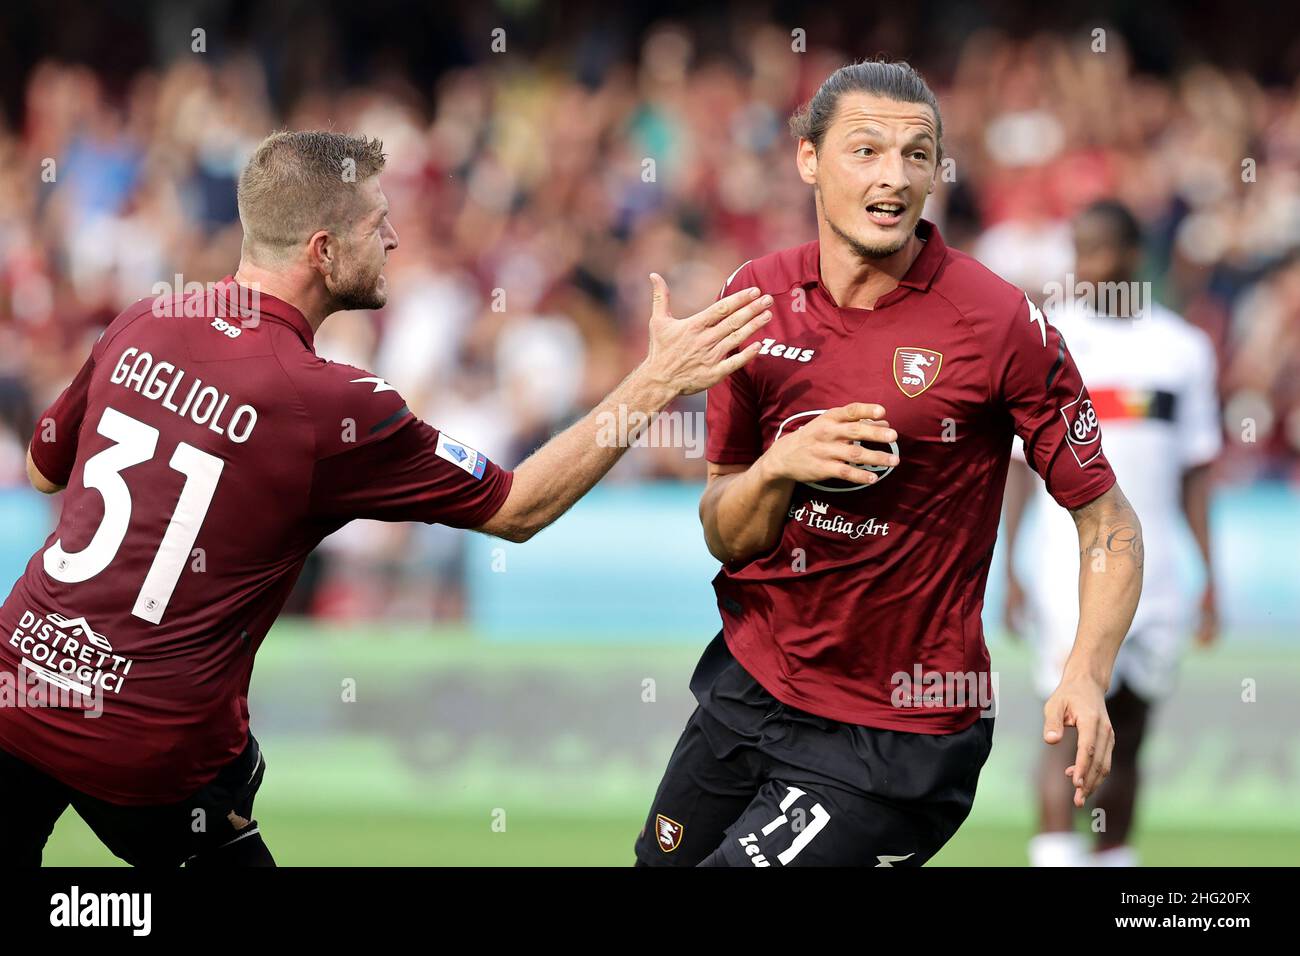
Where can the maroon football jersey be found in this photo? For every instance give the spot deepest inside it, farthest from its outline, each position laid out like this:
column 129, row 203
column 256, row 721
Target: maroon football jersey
column 869, row 604
column 206, row 452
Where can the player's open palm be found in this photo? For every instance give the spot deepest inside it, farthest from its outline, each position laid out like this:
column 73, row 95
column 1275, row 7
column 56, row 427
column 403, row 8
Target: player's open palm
column 827, row 447
column 1081, row 704
column 692, row 354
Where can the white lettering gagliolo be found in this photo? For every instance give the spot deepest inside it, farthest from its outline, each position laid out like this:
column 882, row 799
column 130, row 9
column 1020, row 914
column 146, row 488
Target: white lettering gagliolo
column 160, row 381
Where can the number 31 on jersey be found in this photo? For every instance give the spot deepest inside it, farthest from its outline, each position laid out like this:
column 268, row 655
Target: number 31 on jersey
column 134, row 443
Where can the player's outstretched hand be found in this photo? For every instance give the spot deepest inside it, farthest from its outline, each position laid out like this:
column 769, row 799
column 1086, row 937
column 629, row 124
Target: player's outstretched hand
column 689, row 355
column 1082, row 704
column 825, row 449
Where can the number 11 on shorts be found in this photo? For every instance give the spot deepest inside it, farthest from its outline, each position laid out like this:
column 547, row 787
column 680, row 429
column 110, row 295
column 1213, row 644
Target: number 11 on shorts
column 802, row 837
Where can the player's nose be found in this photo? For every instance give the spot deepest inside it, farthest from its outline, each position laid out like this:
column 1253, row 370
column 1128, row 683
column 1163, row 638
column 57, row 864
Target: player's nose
column 891, row 172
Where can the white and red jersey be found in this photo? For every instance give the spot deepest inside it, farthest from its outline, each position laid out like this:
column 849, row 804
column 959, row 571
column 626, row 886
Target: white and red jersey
column 1152, row 380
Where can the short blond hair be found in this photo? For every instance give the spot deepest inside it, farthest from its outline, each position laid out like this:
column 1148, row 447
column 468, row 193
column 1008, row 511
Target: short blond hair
column 297, row 183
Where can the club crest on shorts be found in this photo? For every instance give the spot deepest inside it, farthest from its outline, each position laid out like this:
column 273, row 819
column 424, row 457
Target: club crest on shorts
column 915, row 369
column 668, row 833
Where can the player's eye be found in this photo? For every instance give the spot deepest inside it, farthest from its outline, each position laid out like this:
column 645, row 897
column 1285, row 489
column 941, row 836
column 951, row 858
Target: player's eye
column 864, row 150
column 921, row 155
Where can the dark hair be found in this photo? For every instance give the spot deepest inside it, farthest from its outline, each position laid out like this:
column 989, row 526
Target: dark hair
column 1128, row 232
column 894, row 80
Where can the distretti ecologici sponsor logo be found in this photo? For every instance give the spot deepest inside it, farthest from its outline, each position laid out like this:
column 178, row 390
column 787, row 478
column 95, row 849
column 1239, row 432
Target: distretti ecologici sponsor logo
column 77, row 665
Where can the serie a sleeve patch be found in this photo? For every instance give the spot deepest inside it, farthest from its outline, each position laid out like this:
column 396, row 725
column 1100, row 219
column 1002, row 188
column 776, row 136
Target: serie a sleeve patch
column 461, row 455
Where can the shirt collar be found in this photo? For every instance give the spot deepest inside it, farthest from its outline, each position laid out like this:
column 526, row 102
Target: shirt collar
column 267, row 306
column 918, row 276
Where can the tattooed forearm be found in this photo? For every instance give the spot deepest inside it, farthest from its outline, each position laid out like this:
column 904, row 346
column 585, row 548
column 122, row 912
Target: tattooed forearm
column 1110, row 582
column 1126, row 538
column 1110, row 527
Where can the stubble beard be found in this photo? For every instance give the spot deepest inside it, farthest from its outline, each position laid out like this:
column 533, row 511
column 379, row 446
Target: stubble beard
column 857, row 246
column 864, row 251
column 359, row 291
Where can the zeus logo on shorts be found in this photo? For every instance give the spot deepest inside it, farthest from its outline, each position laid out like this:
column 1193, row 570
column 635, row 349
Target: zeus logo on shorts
column 1082, row 429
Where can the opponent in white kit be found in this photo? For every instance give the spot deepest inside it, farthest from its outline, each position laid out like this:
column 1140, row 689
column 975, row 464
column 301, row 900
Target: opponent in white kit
column 1151, row 380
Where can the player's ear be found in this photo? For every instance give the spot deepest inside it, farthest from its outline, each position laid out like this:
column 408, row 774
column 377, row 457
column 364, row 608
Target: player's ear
column 806, row 160
column 322, row 252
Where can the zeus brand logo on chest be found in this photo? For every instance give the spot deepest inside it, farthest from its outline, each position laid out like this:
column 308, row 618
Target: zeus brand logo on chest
column 791, row 352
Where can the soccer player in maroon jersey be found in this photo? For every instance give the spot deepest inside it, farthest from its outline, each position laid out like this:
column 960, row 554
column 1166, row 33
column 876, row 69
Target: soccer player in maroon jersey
column 206, row 450
column 856, row 470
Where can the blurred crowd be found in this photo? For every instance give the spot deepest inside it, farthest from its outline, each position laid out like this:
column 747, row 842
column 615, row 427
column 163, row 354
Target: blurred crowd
column 532, row 201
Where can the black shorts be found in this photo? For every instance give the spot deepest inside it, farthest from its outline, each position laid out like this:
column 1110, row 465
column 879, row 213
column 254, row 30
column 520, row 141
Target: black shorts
column 754, row 782
column 188, row 832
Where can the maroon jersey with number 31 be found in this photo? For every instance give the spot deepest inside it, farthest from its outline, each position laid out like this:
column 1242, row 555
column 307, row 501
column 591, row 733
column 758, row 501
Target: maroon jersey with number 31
column 206, row 451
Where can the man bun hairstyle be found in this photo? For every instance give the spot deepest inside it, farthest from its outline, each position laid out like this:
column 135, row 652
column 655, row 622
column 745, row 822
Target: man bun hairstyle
column 892, row 79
